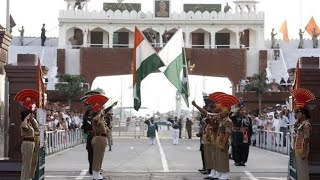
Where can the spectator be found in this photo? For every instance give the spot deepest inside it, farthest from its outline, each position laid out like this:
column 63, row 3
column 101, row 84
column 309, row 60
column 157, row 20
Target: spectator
column 283, row 123
column 276, row 51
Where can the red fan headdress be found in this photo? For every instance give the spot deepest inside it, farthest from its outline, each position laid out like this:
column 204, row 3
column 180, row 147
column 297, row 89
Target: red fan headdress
column 302, row 96
column 227, row 100
column 214, row 95
column 96, row 101
column 27, row 97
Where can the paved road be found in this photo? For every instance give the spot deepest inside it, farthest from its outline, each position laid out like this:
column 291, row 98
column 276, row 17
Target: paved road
column 135, row 159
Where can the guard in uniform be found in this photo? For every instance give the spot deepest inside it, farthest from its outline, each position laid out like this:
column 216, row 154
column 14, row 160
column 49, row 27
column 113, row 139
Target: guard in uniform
column 209, row 135
column 222, row 168
column 30, row 132
column 35, row 155
column 301, row 142
column 100, row 130
column 27, row 146
column 242, row 131
column 87, row 127
column 302, row 131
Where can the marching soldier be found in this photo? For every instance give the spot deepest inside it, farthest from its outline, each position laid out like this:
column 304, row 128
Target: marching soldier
column 209, row 136
column 99, row 130
column 242, row 131
column 87, row 127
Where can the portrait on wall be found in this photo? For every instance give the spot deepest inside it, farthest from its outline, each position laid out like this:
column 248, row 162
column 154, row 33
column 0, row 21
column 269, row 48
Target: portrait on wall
column 162, row 8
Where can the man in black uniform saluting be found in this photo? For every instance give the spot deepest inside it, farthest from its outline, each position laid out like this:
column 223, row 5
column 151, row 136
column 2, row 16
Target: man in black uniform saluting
column 241, row 134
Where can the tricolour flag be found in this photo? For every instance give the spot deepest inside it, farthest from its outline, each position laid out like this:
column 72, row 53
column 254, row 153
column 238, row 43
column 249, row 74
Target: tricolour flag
column 145, row 61
column 311, row 26
column 284, row 31
column 173, row 55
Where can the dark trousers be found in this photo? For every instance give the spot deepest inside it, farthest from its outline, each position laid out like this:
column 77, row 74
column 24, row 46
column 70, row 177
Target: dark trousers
column 90, row 152
column 240, row 153
column 202, row 156
column 180, row 130
column 42, row 41
column 284, row 131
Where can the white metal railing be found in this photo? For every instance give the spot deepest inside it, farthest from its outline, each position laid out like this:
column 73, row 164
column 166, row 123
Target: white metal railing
column 62, row 139
column 273, row 141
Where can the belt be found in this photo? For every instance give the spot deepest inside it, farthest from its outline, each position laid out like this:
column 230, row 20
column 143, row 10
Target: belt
column 239, row 129
column 90, row 133
column 31, row 139
column 101, row 134
column 37, row 134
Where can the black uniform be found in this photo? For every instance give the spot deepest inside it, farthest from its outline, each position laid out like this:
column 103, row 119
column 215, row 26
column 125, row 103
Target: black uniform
column 87, row 128
column 241, row 137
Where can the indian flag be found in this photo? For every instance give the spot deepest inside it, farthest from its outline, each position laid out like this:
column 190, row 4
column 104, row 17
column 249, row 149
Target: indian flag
column 145, row 61
column 173, row 55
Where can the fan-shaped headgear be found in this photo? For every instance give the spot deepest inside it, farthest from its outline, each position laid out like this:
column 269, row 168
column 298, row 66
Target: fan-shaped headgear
column 302, row 96
column 226, row 100
column 96, row 102
column 89, row 93
column 214, row 95
column 27, row 97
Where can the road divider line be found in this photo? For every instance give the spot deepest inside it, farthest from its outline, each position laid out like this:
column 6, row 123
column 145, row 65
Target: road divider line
column 250, row 175
column 163, row 156
column 82, row 174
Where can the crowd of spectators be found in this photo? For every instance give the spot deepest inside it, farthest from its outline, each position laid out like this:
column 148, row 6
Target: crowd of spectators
column 60, row 117
column 274, row 118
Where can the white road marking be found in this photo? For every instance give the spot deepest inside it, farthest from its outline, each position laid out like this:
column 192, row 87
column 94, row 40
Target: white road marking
column 131, row 147
column 188, row 147
column 250, row 176
column 52, row 176
column 163, row 156
column 82, row 174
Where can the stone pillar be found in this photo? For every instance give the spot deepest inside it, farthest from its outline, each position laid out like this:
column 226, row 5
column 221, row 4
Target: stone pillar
column 187, row 41
column 110, row 39
column 237, row 40
column 85, row 37
column 213, row 39
column 160, row 38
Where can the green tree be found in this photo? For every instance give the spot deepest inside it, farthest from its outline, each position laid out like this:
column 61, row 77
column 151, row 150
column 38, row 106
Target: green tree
column 100, row 90
column 70, row 86
column 259, row 85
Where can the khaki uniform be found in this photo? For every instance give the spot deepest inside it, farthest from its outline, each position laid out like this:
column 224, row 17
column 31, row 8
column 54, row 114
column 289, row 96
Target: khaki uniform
column 222, row 141
column 209, row 138
column 35, row 126
column 301, row 147
column 99, row 142
column 27, row 147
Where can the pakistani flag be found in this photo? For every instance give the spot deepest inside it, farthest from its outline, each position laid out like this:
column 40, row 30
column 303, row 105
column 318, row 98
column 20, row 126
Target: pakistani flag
column 173, row 56
column 145, row 61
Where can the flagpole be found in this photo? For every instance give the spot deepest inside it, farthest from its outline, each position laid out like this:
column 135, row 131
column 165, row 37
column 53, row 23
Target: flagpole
column 8, row 17
column 300, row 13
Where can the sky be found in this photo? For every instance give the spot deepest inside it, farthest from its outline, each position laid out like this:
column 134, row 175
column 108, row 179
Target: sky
column 32, row 13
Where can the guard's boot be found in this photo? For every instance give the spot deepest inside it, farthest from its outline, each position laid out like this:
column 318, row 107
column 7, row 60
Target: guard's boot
column 96, row 175
column 109, row 148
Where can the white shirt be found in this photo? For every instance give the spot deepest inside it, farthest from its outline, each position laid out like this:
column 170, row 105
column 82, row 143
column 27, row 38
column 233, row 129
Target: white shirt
column 283, row 121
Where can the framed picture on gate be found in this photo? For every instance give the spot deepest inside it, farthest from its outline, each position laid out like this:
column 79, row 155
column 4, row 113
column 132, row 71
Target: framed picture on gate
column 162, row 8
